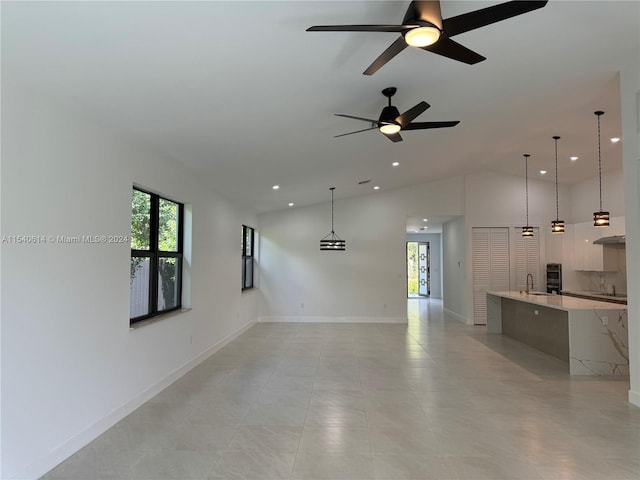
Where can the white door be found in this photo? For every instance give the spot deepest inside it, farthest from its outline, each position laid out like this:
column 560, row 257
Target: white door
column 490, row 264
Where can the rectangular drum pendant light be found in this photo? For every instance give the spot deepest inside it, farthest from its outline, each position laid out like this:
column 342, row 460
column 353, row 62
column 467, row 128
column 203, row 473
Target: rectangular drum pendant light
column 600, row 218
column 557, row 225
column 332, row 241
column 527, row 231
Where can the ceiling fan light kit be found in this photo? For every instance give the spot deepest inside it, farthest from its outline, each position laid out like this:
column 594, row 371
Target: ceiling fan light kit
column 422, row 36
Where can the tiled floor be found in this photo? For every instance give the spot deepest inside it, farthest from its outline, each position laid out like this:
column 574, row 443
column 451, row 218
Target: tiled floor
column 437, row 400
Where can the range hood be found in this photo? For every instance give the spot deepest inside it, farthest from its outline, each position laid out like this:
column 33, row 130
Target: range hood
column 613, row 240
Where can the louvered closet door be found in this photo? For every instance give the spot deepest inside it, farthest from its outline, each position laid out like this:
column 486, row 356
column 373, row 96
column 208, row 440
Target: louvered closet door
column 490, row 267
column 527, row 259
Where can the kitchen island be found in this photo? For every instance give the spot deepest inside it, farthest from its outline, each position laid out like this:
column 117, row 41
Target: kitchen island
column 589, row 335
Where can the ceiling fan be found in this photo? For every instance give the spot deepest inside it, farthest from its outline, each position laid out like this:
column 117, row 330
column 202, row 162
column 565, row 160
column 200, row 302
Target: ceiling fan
column 424, row 27
column 391, row 122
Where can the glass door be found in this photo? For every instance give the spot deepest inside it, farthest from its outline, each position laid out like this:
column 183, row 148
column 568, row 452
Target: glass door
column 418, row 269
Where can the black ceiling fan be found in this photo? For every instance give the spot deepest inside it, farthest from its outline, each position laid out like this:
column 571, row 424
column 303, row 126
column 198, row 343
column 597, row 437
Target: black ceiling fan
column 391, row 122
column 424, row 27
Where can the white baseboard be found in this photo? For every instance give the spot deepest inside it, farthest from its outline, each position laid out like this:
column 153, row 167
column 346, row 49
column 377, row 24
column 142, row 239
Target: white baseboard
column 75, row 443
column 334, row 319
column 453, row 314
column 634, row 398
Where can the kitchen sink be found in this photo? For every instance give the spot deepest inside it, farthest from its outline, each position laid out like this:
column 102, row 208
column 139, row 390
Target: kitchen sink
column 541, row 294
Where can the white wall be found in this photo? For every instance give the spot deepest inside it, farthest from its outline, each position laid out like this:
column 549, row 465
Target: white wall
column 366, row 282
column 454, row 268
column 584, row 198
column 71, row 367
column 630, row 102
column 435, row 250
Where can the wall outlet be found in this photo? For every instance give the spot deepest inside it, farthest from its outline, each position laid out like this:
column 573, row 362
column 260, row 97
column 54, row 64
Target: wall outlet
column 605, row 320
column 535, row 312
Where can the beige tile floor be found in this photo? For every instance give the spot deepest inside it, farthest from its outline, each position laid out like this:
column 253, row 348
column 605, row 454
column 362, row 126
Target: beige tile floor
column 434, row 400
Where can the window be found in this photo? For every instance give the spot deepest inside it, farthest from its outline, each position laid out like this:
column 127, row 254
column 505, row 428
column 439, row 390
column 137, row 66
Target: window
column 247, row 257
column 156, row 255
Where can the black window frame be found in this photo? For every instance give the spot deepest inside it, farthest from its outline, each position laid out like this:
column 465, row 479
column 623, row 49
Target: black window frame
column 248, row 257
column 155, row 255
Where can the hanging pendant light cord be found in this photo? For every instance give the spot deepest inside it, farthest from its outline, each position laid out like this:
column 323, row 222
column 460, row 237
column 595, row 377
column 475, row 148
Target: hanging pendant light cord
column 526, row 185
column 599, row 160
column 557, row 207
column 332, row 189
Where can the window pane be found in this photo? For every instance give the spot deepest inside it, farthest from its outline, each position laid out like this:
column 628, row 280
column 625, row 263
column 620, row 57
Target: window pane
column 140, row 220
column 244, row 240
column 248, row 278
column 168, row 226
column 139, row 287
column 249, row 241
column 168, row 283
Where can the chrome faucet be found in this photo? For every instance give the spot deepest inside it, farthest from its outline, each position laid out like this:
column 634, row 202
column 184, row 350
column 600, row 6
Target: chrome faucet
column 529, row 276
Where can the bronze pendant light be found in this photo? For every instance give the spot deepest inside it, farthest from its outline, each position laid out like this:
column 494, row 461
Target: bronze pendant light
column 527, row 231
column 332, row 241
column 557, row 225
column 600, row 218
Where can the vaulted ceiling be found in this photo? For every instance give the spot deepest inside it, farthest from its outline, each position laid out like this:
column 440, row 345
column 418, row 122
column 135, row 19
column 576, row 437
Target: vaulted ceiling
column 240, row 93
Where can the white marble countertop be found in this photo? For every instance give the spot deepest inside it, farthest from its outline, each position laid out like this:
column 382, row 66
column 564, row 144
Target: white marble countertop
column 560, row 302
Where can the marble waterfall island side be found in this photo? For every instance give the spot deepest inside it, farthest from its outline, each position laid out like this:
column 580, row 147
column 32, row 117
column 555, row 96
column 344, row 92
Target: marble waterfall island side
column 589, row 335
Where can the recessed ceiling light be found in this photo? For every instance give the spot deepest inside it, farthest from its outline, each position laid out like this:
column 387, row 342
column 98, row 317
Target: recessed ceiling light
column 376, row 187
column 291, row 204
column 574, row 158
column 395, row 164
column 543, row 172
column 615, row 139
column 276, row 187
column 425, row 220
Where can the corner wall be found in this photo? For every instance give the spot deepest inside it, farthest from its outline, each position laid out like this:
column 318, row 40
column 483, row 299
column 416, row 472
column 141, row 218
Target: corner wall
column 71, row 366
column 454, row 254
column 630, row 101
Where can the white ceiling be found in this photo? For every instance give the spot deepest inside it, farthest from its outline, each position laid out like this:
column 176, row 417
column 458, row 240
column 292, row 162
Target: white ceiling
column 242, row 95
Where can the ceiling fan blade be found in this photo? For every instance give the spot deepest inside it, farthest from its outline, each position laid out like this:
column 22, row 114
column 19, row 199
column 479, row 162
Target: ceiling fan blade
column 357, row 131
column 370, row 120
column 413, row 112
column 359, row 28
column 486, row 16
column 394, row 49
column 394, row 137
column 451, row 49
column 426, row 125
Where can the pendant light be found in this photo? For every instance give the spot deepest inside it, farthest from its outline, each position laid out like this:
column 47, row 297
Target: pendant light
column 557, row 225
column 600, row 218
column 527, row 231
column 332, row 241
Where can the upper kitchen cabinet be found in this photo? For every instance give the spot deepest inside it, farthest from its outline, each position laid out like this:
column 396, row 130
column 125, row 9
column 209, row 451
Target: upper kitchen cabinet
column 590, row 257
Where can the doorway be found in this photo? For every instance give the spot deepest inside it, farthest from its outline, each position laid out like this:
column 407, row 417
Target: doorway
column 418, row 270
